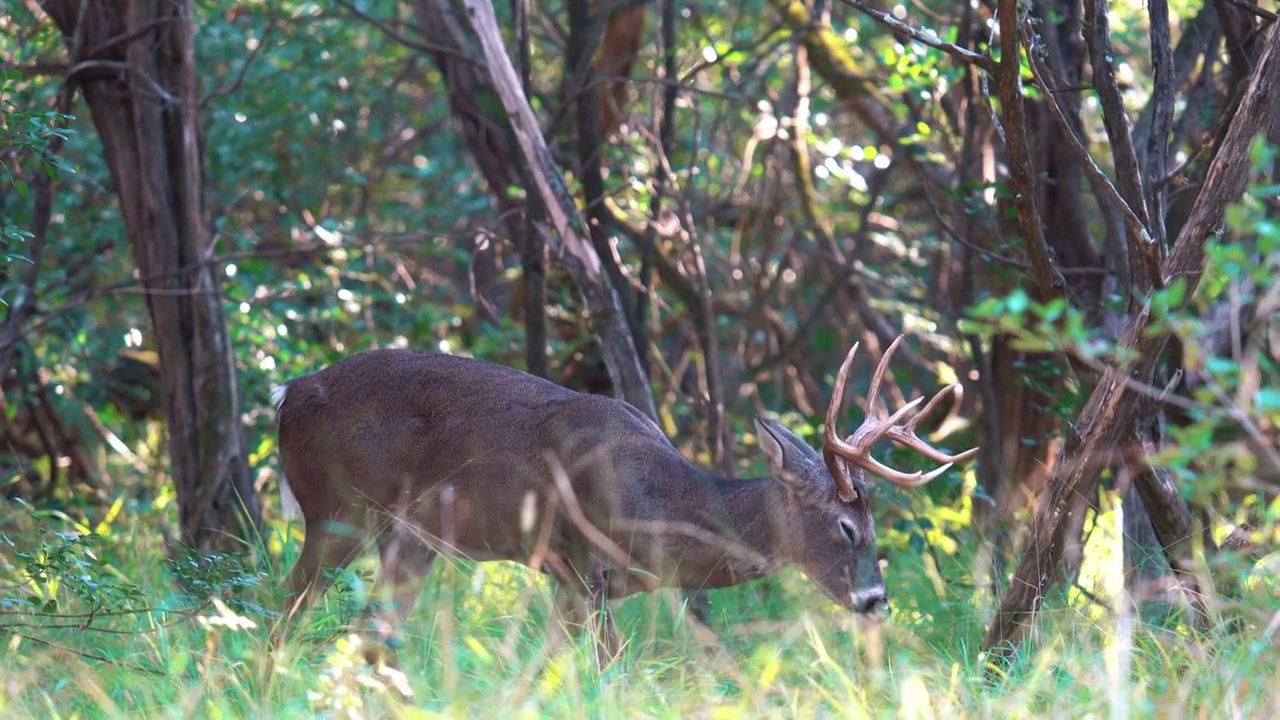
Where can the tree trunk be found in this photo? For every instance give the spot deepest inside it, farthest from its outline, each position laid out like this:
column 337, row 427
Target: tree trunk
column 488, row 138
column 146, row 111
column 1110, row 409
column 565, row 240
column 1025, row 384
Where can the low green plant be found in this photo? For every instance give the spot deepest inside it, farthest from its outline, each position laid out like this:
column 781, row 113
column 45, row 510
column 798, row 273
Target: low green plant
column 99, row 621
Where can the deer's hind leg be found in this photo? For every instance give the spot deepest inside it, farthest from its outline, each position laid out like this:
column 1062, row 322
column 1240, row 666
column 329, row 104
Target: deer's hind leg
column 406, row 561
column 324, row 548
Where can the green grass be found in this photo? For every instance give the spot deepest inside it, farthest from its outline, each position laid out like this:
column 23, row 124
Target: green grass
column 477, row 646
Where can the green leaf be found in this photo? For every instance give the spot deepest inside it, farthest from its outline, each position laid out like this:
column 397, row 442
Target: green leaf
column 1268, row 399
column 1220, row 365
column 1017, row 302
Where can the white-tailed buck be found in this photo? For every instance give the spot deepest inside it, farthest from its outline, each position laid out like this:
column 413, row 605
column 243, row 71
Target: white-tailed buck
column 419, row 453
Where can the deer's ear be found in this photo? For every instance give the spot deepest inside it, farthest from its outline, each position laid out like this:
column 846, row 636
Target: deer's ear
column 770, row 444
column 784, row 452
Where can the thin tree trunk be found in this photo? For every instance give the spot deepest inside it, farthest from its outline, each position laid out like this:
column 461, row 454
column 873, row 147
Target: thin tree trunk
column 490, row 142
column 584, row 39
column 533, row 254
column 566, row 238
column 147, row 117
column 1110, row 409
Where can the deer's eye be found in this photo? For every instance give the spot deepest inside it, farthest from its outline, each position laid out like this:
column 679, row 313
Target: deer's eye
column 846, row 526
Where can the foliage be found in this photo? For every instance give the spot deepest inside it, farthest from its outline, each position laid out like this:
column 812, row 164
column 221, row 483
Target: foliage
column 348, row 214
column 479, row 644
column 22, row 132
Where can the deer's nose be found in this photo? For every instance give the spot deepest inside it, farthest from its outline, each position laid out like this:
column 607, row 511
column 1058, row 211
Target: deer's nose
column 870, row 602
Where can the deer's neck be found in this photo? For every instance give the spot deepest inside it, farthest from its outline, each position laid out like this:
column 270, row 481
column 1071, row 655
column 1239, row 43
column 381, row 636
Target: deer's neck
column 742, row 524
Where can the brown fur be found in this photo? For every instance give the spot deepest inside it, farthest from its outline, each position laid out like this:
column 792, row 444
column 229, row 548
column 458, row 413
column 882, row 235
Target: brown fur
column 418, row 453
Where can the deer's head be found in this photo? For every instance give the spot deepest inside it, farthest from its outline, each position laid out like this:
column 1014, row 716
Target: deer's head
column 830, row 531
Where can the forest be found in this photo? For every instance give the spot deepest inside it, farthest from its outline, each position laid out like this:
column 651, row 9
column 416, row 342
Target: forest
column 1068, row 211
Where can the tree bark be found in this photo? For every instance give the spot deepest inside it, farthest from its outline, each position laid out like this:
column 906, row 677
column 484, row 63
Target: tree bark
column 582, row 39
column 608, row 319
column 533, row 254
column 624, row 32
column 1110, row 409
column 147, row 118
column 1044, row 262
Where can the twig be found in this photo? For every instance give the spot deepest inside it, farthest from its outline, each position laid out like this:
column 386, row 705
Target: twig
column 396, row 35
column 593, row 534
column 1250, row 7
column 924, row 37
column 93, row 656
column 1144, row 253
column 1161, row 395
column 1008, row 74
column 1136, row 225
column 125, row 37
column 1094, row 599
column 235, row 84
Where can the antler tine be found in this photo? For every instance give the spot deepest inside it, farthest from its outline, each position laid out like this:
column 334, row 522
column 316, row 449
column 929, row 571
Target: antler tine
column 833, row 446
column 897, row 477
column 837, row 395
column 874, row 425
column 873, row 391
column 905, row 434
column 856, row 448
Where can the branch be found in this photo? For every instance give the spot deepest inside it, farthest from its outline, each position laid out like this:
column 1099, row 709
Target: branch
column 584, row 40
column 648, row 241
column 1162, row 102
column 1251, row 8
column 396, row 35
column 1144, row 253
column 1008, row 75
column 533, row 254
column 124, row 37
column 1136, row 224
column 115, row 663
column 1110, row 409
column 579, row 257
column 272, row 22
column 1170, row 516
column 925, row 37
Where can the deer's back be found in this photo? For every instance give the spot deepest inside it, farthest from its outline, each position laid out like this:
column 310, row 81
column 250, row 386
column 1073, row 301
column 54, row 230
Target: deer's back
column 384, row 426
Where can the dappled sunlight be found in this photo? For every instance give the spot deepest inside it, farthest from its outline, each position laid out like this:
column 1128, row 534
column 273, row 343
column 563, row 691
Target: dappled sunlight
column 384, row 263
column 479, row 640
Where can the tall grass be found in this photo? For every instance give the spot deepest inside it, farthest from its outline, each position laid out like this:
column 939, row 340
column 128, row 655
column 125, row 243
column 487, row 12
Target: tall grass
column 478, row 645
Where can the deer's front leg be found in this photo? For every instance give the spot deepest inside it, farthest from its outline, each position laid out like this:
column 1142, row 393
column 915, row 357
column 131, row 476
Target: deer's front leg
column 581, row 605
column 406, row 563
column 699, row 605
column 603, row 631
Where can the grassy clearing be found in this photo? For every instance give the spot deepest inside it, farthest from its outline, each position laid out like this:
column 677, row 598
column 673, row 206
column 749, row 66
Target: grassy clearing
column 477, row 646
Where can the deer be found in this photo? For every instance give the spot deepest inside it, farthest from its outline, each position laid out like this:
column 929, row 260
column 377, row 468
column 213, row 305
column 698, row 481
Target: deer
column 419, row 454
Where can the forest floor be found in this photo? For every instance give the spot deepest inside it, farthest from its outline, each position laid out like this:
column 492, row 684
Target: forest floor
column 477, row 645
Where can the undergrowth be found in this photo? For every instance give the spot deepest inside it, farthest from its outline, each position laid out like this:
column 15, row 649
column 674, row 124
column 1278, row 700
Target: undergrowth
column 99, row 621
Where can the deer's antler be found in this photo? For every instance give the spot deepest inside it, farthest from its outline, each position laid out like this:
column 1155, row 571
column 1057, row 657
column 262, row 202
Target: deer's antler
column 857, row 447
